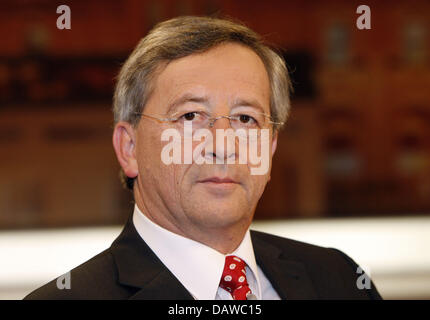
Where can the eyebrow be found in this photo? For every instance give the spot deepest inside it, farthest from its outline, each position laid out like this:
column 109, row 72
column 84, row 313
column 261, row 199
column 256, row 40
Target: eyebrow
column 190, row 97
column 248, row 103
column 187, row 97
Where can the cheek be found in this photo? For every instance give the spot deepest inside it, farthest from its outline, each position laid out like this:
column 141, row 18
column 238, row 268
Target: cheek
column 258, row 183
column 148, row 153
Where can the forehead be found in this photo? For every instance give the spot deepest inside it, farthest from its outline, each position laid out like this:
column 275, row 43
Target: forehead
column 224, row 74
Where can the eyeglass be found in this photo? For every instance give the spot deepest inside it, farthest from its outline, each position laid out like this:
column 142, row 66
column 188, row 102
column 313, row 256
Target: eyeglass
column 200, row 119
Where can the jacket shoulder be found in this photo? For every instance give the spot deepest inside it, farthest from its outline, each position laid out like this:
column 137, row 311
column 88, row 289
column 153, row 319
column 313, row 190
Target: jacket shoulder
column 93, row 279
column 334, row 274
column 292, row 248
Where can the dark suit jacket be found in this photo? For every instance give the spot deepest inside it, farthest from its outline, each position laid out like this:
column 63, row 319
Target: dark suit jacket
column 130, row 270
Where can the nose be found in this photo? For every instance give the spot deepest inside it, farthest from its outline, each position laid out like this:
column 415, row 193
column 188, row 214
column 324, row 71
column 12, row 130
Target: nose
column 224, row 142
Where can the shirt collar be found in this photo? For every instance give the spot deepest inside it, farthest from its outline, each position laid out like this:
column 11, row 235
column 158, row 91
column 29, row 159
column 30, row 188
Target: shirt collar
column 197, row 266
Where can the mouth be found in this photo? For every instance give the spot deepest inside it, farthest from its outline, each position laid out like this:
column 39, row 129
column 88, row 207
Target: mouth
column 218, row 180
column 219, row 186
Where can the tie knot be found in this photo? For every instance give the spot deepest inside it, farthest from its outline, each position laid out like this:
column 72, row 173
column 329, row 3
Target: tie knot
column 234, row 278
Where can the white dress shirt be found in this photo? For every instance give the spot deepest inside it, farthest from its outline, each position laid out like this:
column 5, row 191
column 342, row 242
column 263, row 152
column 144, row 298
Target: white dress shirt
column 198, row 267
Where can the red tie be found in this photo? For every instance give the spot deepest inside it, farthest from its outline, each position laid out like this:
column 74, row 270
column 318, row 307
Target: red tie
column 234, row 278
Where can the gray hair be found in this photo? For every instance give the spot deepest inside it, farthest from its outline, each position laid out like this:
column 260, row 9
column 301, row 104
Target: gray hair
column 183, row 36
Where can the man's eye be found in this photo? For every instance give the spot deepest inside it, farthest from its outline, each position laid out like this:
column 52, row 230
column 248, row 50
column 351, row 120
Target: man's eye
column 190, row 116
column 244, row 118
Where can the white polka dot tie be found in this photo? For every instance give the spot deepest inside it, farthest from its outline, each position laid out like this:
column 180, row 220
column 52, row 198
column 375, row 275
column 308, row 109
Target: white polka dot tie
column 234, row 278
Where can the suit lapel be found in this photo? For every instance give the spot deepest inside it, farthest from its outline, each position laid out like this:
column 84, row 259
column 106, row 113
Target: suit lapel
column 163, row 287
column 287, row 276
column 139, row 267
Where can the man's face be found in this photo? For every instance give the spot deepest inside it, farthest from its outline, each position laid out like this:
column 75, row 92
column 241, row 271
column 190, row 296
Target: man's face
column 205, row 196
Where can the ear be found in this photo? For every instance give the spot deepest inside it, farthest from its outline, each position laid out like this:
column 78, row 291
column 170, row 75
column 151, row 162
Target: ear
column 124, row 142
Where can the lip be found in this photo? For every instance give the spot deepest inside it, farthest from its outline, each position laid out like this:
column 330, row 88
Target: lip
column 218, row 180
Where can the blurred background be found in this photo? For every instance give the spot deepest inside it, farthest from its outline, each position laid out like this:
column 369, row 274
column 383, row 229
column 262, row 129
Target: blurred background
column 352, row 169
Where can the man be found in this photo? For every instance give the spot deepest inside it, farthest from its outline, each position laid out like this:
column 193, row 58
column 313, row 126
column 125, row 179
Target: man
column 189, row 237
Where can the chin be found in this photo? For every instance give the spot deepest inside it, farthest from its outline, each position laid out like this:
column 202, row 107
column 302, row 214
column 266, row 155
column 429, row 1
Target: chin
column 216, row 215
column 213, row 207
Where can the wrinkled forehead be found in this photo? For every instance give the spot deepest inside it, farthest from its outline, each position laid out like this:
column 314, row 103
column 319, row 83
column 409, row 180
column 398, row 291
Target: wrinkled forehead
column 229, row 74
